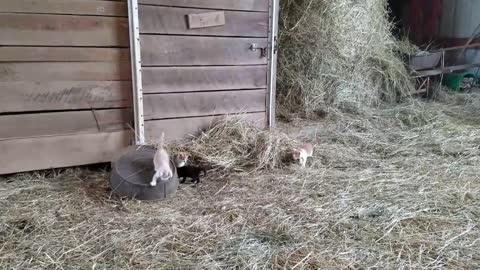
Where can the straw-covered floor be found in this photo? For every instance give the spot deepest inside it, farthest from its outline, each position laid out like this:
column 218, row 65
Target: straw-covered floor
column 398, row 188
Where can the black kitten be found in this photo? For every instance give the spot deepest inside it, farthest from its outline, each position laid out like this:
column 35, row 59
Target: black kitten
column 191, row 172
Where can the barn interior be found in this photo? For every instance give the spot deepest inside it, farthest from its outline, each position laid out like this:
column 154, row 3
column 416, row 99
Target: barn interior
column 435, row 25
column 393, row 118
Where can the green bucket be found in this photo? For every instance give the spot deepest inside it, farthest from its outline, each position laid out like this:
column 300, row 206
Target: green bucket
column 454, row 80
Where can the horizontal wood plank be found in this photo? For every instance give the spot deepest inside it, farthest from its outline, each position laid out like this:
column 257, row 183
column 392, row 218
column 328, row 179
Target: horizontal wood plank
column 184, row 128
column 160, row 50
column 164, row 20
column 63, row 54
column 78, row 71
column 20, row 155
column 188, row 79
column 81, row 7
column 63, row 30
column 251, row 5
column 160, row 106
column 70, row 95
column 60, row 123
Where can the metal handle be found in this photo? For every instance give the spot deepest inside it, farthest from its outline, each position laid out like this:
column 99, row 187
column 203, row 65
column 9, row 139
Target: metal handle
column 263, row 50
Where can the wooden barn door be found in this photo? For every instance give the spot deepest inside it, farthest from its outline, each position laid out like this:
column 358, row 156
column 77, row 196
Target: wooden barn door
column 199, row 60
column 65, row 83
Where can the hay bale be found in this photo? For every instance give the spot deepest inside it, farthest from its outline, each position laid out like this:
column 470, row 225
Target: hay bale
column 338, row 54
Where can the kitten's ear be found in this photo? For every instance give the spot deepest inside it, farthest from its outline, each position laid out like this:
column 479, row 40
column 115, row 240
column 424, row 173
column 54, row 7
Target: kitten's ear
column 183, row 155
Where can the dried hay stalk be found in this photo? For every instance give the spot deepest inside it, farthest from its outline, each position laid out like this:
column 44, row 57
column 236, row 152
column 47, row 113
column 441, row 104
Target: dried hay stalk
column 338, row 54
column 234, row 145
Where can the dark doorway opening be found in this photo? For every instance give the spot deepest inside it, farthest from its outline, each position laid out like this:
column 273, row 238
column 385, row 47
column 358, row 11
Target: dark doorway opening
column 419, row 20
column 398, row 10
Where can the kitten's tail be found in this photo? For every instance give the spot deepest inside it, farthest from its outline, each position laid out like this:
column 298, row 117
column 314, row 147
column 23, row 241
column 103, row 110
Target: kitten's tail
column 161, row 141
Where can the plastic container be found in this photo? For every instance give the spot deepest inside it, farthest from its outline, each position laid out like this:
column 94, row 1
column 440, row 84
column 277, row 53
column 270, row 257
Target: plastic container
column 454, row 81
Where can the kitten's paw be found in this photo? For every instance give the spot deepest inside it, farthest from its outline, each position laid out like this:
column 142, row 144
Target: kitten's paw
column 153, row 183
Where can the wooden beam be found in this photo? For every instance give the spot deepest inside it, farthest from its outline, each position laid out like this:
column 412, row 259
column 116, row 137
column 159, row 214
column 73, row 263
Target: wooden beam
column 76, row 71
column 158, row 50
column 61, row 123
column 63, row 54
column 69, row 95
column 445, row 70
column 472, row 45
column 162, row 106
column 20, row 155
column 63, row 30
column 249, row 5
column 189, row 79
column 167, row 20
column 456, row 42
column 80, row 7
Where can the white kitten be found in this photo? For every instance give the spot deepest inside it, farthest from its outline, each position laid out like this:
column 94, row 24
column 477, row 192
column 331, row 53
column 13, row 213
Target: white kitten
column 303, row 153
column 161, row 161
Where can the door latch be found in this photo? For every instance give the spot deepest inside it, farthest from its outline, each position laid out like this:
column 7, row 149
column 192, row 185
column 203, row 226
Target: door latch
column 263, row 50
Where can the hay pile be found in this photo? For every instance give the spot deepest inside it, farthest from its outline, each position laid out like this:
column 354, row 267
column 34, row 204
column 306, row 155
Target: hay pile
column 234, row 145
column 337, row 54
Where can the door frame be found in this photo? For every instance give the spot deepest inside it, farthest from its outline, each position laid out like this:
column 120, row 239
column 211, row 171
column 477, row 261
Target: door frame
column 273, row 10
column 136, row 67
column 136, row 63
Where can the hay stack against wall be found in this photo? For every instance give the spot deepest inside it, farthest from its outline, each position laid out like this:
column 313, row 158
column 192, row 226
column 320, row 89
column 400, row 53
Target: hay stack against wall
column 337, row 54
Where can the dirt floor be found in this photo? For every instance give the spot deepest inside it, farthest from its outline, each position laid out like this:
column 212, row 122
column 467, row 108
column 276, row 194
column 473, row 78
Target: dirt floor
column 398, row 188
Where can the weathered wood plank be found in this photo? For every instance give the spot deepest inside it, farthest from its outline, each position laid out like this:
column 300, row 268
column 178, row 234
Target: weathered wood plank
column 63, row 54
column 81, row 7
column 162, row 106
column 19, row 155
column 188, row 79
column 166, row 20
column 251, row 5
column 63, row 30
column 206, row 19
column 70, row 95
column 160, row 50
column 61, row 123
column 82, row 71
column 184, row 128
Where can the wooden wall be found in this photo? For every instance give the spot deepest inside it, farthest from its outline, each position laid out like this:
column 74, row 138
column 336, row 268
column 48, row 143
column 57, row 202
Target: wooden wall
column 65, row 82
column 194, row 76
